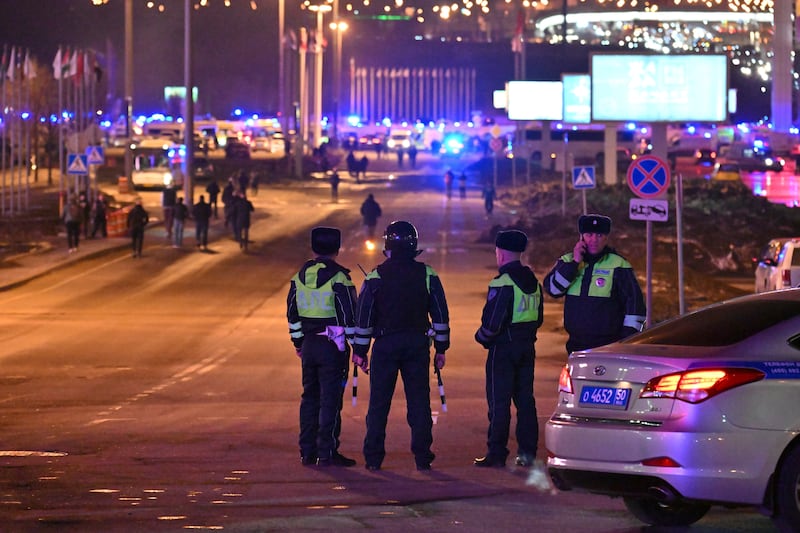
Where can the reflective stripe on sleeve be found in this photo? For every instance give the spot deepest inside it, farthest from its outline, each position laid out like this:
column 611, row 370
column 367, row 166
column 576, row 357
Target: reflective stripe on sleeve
column 634, row 321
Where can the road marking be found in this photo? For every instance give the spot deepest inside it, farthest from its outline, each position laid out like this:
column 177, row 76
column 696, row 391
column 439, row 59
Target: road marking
column 184, row 375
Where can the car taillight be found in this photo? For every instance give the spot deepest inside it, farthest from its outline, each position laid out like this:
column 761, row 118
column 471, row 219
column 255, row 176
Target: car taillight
column 695, row 386
column 786, row 277
column 565, row 381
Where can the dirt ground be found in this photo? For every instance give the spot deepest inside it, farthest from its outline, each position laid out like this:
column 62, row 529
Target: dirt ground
column 724, row 228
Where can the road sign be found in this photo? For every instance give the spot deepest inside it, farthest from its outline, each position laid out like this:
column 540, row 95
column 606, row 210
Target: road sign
column 643, row 209
column 76, row 164
column 648, row 177
column 94, row 155
column 495, row 144
column 583, row 178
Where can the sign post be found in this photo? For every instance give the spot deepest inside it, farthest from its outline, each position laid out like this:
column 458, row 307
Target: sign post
column 648, row 178
column 583, row 178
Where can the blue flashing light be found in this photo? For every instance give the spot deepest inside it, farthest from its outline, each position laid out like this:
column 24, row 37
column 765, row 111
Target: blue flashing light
column 691, row 130
column 25, row 115
column 353, row 120
column 54, row 119
column 237, row 112
column 386, row 122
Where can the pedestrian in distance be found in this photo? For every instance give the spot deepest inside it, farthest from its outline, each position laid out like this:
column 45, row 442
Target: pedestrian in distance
column 86, row 213
column 511, row 316
column 401, row 306
column 242, row 207
column 138, row 219
column 100, row 216
column 168, row 199
column 448, row 183
column 320, row 310
column 213, row 194
column 227, row 202
column 603, row 302
column 370, row 212
column 201, row 213
column 334, row 180
column 400, row 154
column 462, row 185
column 489, row 195
column 72, row 217
column 362, row 167
column 412, row 155
column 181, row 214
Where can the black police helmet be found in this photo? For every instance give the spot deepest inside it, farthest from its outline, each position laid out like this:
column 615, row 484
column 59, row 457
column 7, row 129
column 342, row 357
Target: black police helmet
column 400, row 236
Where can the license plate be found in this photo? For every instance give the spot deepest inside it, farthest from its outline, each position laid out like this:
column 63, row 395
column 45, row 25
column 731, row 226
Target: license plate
column 612, row 397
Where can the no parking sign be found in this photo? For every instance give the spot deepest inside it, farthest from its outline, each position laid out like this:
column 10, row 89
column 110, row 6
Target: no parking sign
column 648, row 177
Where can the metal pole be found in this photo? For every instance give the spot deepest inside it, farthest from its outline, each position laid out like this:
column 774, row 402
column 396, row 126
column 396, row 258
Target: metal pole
column 188, row 115
column 317, row 114
column 679, row 226
column 649, row 296
column 284, row 118
column 128, row 89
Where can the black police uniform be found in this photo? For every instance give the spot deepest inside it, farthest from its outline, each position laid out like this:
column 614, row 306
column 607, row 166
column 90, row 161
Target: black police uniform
column 321, row 295
column 512, row 314
column 394, row 306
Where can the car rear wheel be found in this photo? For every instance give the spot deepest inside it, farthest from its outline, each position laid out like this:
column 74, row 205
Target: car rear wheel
column 655, row 513
column 787, row 493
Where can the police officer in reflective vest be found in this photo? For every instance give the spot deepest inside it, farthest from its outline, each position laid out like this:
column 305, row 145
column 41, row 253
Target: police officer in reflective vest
column 511, row 316
column 394, row 306
column 321, row 310
column 603, row 301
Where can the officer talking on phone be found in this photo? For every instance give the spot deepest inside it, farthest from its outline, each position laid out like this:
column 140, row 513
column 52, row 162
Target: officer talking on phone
column 603, row 302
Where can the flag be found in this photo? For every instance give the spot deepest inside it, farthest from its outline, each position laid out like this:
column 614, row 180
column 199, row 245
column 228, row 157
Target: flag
column 516, row 40
column 4, row 62
column 28, row 70
column 11, row 65
column 73, row 65
column 77, row 72
column 97, row 67
column 57, row 65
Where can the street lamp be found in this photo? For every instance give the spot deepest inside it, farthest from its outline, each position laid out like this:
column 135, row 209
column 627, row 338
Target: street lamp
column 338, row 28
column 317, row 111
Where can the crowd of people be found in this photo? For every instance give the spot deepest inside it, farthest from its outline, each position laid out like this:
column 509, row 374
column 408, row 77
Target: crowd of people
column 388, row 327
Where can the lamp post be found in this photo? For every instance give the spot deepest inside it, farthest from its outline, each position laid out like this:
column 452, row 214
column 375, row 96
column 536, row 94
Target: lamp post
column 338, row 27
column 317, row 110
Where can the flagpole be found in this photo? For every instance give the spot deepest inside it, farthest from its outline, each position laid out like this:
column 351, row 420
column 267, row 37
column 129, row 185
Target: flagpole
column 60, row 123
column 3, row 140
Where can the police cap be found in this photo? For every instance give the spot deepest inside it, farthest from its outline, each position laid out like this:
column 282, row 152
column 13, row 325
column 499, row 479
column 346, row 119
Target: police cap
column 594, row 224
column 512, row 240
column 325, row 241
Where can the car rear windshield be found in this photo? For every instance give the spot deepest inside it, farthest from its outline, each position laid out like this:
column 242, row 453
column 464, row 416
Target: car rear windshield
column 721, row 325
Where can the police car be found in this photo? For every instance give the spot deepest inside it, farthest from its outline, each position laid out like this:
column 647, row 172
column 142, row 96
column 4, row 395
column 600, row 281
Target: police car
column 697, row 411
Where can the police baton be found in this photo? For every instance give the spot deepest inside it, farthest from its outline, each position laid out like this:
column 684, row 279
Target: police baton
column 441, row 387
column 355, row 384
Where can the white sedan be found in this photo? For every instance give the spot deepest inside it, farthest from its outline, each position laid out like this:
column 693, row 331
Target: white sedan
column 696, row 411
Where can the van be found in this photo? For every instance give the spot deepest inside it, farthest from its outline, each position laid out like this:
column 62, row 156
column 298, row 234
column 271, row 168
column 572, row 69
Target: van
column 778, row 265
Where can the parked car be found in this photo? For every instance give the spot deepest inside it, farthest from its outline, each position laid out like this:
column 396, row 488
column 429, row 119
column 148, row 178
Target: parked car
column 778, row 265
column 726, row 172
column 694, row 412
column 203, row 169
column 235, row 149
column 705, row 156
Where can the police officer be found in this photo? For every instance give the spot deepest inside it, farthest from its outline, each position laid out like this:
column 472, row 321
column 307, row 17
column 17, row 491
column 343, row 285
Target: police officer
column 603, row 300
column 401, row 305
column 320, row 310
column 511, row 316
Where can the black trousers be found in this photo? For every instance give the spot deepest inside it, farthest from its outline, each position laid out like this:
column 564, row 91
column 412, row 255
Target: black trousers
column 407, row 354
column 509, row 377
column 324, row 381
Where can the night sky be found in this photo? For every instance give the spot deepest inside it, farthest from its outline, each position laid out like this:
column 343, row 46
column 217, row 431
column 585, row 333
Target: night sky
column 235, row 48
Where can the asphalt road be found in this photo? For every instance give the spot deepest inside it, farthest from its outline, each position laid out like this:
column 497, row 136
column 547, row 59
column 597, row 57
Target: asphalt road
column 161, row 394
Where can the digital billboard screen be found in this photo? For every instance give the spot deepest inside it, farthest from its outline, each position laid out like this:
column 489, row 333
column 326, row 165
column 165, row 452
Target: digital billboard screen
column 659, row 88
column 534, row 100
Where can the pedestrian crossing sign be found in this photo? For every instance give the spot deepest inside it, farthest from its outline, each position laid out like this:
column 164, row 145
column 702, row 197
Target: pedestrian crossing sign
column 94, row 155
column 76, row 164
column 583, row 178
